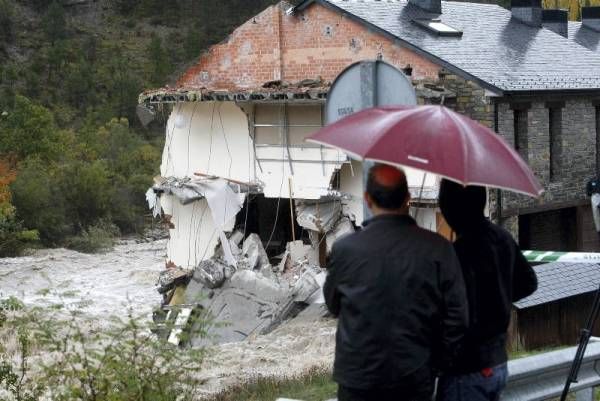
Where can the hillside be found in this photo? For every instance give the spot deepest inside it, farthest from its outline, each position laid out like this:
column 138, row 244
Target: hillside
column 75, row 161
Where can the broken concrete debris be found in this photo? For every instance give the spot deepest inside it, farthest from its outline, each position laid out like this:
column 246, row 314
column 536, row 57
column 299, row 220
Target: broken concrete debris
column 252, row 262
column 172, row 277
column 254, row 252
column 251, row 296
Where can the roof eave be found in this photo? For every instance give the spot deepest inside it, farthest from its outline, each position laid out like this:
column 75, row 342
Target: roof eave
column 550, row 92
column 302, row 5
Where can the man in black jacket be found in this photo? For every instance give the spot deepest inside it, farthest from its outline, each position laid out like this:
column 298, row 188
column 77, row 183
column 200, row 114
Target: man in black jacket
column 496, row 275
column 399, row 295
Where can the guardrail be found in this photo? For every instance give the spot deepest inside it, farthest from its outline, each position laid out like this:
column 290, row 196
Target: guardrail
column 543, row 376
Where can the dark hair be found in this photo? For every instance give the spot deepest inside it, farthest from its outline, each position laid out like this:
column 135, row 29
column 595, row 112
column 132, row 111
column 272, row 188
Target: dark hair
column 462, row 206
column 392, row 192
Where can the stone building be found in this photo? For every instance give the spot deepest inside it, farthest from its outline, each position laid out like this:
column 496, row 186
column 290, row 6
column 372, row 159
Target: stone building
column 243, row 110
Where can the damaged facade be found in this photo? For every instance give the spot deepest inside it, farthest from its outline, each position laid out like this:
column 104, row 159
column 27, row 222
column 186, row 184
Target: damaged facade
column 253, row 209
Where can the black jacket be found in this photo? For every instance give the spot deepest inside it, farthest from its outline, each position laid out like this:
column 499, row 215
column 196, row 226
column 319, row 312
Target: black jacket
column 399, row 294
column 496, row 275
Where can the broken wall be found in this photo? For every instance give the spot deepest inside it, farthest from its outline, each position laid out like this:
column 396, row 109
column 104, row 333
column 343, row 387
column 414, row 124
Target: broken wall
column 208, row 137
column 211, row 138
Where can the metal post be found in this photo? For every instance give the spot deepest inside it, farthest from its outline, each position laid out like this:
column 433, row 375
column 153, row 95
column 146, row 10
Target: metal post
column 368, row 91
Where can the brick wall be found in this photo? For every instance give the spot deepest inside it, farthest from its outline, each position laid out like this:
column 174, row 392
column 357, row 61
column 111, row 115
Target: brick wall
column 315, row 43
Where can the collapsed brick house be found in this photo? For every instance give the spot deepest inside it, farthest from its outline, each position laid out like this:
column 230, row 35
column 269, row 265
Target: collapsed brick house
column 243, row 110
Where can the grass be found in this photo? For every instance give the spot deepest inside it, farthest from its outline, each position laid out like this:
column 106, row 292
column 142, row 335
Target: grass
column 314, row 385
column 522, row 354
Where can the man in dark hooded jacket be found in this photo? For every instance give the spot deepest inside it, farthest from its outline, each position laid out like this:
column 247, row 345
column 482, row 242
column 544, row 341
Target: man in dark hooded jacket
column 496, row 274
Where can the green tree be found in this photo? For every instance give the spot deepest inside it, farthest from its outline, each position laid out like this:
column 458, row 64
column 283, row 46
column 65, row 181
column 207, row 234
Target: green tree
column 159, row 61
column 88, row 190
column 29, row 130
column 122, row 85
column 54, row 23
column 39, row 202
column 7, row 16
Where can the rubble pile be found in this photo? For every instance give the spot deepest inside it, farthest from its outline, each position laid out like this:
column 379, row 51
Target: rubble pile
column 252, row 296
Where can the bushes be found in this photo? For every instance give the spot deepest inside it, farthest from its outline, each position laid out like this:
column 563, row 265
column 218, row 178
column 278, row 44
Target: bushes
column 84, row 188
column 96, row 238
column 122, row 362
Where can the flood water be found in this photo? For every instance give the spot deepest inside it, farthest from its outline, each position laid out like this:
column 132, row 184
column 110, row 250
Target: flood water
column 101, row 285
column 97, row 284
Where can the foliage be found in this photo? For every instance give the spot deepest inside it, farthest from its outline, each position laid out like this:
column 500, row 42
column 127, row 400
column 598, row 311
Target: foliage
column 68, row 96
column 96, row 238
column 121, row 362
column 39, row 201
column 7, row 15
column 13, row 237
column 54, row 23
column 159, row 60
column 28, row 130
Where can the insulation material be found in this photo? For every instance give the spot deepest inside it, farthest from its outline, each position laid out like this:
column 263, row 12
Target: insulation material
column 208, row 137
column 153, row 202
column 195, row 235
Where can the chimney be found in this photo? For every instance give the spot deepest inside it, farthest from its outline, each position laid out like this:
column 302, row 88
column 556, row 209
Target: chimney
column 590, row 18
column 527, row 11
column 433, row 6
column 557, row 21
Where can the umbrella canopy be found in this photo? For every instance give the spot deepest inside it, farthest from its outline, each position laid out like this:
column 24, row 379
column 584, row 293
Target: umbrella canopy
column 433, row 139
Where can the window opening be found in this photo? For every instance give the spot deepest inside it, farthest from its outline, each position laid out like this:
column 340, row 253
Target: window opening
column 520, row 132
column 438, row 27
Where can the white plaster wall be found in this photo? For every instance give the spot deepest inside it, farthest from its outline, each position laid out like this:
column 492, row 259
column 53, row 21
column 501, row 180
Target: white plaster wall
column 194, row 237
column 426, row 218
column 208, row 137
column 312, row 170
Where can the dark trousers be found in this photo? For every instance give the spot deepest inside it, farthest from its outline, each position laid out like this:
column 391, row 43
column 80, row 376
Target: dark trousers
column 473, row 386
column 418, row 386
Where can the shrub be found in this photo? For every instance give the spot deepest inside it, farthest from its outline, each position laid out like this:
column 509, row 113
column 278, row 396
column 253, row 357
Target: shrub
column 40, row 203
column 122, row 362
column 96, row 238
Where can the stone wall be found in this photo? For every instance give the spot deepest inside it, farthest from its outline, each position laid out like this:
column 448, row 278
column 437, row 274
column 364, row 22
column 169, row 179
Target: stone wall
column 578, row 158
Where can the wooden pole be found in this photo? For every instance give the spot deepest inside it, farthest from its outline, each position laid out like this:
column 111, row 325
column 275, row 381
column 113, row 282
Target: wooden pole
column 292, row 209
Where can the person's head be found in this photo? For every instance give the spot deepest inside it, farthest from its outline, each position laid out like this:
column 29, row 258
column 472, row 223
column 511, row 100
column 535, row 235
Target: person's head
column 387, row 190
column 462, row 206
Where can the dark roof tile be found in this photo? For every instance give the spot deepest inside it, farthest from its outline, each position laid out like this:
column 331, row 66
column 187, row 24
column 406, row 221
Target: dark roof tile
column 495, row 49
column 559, row 280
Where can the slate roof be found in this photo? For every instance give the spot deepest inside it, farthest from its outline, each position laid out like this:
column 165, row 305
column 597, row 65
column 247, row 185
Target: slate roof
column 561, row 280
column 499, row 52
column 584, row 36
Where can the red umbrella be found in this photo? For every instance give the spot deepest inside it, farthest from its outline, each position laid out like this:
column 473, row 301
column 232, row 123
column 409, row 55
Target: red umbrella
column 433, row 139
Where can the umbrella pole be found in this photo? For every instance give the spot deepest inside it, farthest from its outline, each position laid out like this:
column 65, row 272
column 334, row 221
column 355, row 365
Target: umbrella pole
column 420, row 195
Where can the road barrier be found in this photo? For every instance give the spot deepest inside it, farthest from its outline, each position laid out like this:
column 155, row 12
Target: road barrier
column 543, row 376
